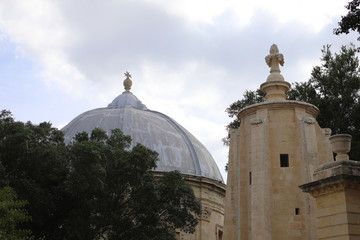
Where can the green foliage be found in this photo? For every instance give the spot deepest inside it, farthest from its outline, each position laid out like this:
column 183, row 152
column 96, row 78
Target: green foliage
column 94, row 187
column 178, row 211
column 249, row 98
column 350, row 22
column 119, row 197
column 34, row 160
column 12, row 215
column 334, row 87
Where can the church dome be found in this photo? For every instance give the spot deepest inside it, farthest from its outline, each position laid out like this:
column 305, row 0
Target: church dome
column 178, row 149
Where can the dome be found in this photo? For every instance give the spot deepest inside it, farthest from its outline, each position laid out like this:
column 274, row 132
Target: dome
column 178, row 149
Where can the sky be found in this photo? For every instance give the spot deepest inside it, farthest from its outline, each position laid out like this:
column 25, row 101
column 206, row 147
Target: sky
column 189, row 59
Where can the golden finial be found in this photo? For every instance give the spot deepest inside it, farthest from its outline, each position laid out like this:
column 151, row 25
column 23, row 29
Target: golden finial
column 127, row 81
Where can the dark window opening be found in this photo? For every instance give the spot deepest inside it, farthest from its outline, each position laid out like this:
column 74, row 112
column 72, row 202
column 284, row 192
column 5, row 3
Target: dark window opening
column 220, row 235
column 284, row 160
column 249, row 178
column 297, row 211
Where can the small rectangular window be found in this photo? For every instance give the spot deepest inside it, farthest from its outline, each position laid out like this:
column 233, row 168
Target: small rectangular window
column 284, row 160
column 219, row 232
column 297, row 211
column 249, row 178
column 220, row 235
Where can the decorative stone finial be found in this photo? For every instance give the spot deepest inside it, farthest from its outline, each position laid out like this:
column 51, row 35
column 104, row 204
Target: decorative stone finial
column 275, row 86
column 127, row 81
column 273, row 60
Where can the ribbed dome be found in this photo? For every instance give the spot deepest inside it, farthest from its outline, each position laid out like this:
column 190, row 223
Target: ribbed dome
column 178, row 149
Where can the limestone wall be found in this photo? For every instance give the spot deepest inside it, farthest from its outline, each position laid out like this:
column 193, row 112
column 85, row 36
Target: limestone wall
column 211, row 194
column 276, row 149
column 336, row 189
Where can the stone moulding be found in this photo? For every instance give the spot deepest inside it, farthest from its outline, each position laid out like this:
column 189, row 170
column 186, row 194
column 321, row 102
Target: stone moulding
column 275, row 90
column 309, row 108
column 331, row 184
column 309, row 120
column 334, row 176
column 256, row 121
column 334, row 168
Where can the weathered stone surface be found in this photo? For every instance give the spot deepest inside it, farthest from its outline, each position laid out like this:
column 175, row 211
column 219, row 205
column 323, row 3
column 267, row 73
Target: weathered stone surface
column 276, row 148
column 275, row 86
column 337, row 192
column 340, row 144
column 261, row 195
column 211, row 194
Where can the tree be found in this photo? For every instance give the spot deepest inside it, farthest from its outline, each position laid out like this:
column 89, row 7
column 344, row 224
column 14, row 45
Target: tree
column 249, row 97
column 35, row 165
column 334, row 87
column 118, row 196
column 96, row 186
column 12, row 215
column 351, row 21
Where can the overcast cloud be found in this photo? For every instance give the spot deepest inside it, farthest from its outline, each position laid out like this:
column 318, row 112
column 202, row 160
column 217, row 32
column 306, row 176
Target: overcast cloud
column 189, row 58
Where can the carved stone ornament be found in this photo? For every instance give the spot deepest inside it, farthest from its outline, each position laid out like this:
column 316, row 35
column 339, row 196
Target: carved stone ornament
column 309, row 120
column 256, row 121
column 274, row 59
column 326, row 131
column 206, row 213
column 275, row 87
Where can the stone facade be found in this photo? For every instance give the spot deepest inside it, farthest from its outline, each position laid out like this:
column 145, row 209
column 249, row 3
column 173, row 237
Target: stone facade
column 336, row 188
column 277, row 147
column 211, row 194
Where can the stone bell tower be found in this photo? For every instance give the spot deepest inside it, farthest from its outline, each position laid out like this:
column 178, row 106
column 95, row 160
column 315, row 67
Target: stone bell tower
column 276, row 148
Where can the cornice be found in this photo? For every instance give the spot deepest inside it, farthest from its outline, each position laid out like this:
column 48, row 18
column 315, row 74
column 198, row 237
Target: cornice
column 332, row 184
column 286, row 104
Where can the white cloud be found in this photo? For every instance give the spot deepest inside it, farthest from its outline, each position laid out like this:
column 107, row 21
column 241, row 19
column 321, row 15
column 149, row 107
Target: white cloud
column 314, row 14
column 202, row 11
column 35, row 24
column 38, row 29
column 189, row 58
